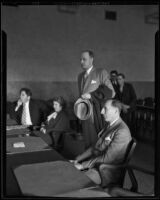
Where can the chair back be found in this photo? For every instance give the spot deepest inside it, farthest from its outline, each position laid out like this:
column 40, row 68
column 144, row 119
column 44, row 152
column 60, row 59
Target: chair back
column 113, row 175
column 129, row 151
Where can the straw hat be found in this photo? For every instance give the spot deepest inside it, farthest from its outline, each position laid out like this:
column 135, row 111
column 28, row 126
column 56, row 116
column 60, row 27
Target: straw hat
column 83, row 109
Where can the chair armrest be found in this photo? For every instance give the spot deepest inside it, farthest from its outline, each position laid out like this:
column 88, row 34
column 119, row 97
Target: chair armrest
column 111, row 166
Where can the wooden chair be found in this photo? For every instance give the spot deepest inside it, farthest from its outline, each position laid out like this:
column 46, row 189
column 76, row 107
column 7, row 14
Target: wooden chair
column 113, row 175
column 120, row 192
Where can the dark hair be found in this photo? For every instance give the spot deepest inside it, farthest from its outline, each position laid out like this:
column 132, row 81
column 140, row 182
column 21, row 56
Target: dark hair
column 114, row 72
column 120, row 74
column 117, row 104
column 91, row 54
column 60, row 100
column 27, row 91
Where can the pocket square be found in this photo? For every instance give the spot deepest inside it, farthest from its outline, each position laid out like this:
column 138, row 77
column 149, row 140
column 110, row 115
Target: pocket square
column 108, row 138
column 93, row 81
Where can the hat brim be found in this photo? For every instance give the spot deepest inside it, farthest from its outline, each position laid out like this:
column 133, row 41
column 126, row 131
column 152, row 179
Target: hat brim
column 83, row 109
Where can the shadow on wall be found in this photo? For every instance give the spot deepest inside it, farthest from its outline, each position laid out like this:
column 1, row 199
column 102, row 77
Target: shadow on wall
column 69, row 90
column 43, row 90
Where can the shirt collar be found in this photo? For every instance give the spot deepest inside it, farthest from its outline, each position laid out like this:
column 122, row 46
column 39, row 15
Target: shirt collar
column 27, row 103
column 114, row 121
column 89, row 70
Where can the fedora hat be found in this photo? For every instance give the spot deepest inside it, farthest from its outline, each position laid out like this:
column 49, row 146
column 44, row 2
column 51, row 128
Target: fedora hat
column 83, row 109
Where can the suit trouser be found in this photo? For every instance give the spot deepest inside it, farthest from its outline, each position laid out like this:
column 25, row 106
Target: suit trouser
column 89, row 133
column 94, row 175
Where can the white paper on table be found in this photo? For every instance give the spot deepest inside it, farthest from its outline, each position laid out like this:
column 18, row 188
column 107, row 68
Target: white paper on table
column 19, row 145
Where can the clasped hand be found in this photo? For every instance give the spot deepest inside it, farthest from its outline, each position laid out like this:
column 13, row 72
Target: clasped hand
column 86, row 96
column 76, row 164
column 43, row 130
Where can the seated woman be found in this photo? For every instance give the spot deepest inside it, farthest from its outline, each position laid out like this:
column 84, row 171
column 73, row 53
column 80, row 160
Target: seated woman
column 56, row 123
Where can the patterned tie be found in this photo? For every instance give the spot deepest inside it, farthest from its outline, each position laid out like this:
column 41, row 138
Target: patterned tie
column 84, row 78
column 24, row 115
column 85, row 75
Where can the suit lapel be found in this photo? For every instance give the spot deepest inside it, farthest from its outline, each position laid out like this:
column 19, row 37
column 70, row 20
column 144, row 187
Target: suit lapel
column 82, row 82
column 88, row 79
column 111, row 130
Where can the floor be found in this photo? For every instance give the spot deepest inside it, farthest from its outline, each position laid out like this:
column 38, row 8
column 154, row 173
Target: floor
column 143, row 157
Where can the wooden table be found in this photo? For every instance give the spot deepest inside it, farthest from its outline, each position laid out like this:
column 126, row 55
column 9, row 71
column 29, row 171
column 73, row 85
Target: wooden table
column 50, row 178
column 35, row 151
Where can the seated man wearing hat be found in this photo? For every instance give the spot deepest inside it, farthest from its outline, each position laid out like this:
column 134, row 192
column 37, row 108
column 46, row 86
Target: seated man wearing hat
column 112, row 143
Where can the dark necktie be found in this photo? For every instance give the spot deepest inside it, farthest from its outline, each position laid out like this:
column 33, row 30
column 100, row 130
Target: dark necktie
column 85, row 78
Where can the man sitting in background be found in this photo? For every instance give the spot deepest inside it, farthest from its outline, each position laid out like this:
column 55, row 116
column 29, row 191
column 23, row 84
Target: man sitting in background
column 28, row 111
column 127, row 96
column 111, row 145
column 113, row 78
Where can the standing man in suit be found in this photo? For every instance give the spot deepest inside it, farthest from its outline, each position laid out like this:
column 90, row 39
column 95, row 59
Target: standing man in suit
column 128, row 97
column 28, row 111
column 89, row 81
column 111, row 146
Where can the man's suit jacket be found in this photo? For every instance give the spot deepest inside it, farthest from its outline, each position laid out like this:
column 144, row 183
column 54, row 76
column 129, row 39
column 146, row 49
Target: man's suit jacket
column 127, row 96
column 96, row 77
column 115, row 86
column 111, row 145
column 38, row 112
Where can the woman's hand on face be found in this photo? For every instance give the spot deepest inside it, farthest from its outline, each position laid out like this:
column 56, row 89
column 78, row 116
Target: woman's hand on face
column 54, row 115
column 19, row 102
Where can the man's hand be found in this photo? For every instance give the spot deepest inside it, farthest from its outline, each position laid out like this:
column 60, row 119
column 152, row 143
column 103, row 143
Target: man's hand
column 43, row 130
column 86, row 96
column 76, row 164
column 74, row 161
column 19, row 103
column 113, row 93
column 79, row 166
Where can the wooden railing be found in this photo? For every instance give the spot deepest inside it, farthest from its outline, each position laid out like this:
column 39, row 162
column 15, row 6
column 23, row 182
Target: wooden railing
column 143, row 120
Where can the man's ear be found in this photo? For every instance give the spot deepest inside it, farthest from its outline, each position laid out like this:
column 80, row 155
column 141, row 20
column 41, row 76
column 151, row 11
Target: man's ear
column 116, row 110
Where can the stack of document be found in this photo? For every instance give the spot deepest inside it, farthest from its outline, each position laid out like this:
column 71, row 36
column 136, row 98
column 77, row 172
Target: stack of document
column 19, row 145
column 13, row 127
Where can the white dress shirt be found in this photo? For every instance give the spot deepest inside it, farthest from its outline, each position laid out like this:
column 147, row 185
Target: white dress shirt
column 28, row 116
column 114, row 121
column 89, row 70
